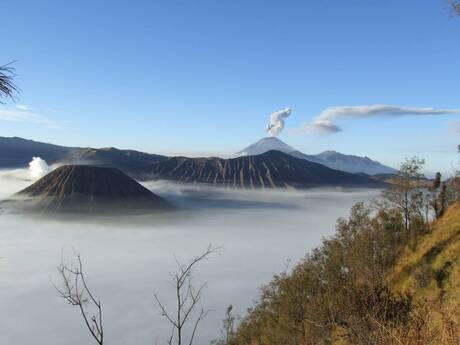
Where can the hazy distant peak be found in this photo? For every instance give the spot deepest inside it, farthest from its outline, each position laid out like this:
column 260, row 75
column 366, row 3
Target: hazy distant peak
column 330, row 158
column 264, row 145
column 328, row 153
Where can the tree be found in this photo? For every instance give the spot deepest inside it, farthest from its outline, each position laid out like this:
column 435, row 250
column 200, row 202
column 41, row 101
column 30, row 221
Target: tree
column 187, row 298
column 455, row 4
column 406, row 192
column 228, row 329
column 229, row 325
column 7, row 86
column 337, row 293
column 77, row 293
column 439, row 196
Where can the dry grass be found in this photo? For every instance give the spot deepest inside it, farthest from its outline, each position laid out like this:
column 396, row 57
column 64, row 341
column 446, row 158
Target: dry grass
column 432, row 269
column 427, row 327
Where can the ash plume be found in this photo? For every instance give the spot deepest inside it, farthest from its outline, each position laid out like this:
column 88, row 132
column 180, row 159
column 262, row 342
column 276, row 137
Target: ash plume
column 38, row 168
column 276, row 123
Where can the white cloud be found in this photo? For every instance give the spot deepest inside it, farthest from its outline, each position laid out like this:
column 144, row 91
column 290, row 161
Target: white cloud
column 22, row 113
column 325, row 122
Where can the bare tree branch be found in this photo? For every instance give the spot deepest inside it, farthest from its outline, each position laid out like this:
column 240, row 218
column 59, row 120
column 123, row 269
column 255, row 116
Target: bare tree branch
column 77, row 293
column 187, row 299
column 202, row 315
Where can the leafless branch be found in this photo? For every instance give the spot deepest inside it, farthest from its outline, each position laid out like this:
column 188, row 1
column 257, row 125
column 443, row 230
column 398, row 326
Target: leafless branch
column 77, row 293
column 202, row 315
column 187, row 299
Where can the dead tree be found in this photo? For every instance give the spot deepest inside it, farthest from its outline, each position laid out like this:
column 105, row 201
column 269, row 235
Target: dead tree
column 77, row 293
column 7, row 86
column 187, row 297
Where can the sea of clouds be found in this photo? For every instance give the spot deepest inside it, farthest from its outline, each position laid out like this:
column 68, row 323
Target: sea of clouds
column 126, row 260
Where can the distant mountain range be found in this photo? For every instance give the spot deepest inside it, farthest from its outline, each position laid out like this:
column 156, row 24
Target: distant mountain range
column 86, row 189
column 331, row 159
column 18, row 152
column 269, row 163
column 272, row 169
column 112, row 157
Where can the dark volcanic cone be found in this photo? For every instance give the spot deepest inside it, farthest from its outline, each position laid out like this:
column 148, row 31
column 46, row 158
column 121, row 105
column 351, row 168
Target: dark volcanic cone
column 88, row 189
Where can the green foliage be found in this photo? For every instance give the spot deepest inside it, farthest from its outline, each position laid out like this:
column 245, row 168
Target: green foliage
column 407, row 191
column 337, row 291
column 439, row 196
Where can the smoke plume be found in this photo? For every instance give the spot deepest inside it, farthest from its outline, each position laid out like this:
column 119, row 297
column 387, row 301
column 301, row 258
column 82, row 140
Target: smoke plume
column 38, row 168
column 325, row 122
column 276, row 123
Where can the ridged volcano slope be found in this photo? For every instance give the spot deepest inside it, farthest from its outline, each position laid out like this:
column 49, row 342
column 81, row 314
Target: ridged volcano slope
column 273, row 169
column 84, row 188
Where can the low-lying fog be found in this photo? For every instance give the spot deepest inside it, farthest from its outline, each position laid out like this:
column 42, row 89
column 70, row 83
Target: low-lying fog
column 127, row 260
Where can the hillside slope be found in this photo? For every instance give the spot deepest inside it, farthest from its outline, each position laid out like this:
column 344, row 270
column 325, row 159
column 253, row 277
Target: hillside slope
column 432, row 269
column 367, row 284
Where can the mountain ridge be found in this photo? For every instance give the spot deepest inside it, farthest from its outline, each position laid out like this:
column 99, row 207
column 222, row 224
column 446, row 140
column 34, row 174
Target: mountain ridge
column 17, row 152
column 273, row 169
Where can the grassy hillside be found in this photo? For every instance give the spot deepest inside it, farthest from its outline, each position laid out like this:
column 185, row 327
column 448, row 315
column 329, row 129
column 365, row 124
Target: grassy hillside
column 432, row 269
column 374, row 282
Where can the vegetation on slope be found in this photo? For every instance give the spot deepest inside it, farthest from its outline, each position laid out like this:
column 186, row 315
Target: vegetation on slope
column 432, row 269
column 367, row 284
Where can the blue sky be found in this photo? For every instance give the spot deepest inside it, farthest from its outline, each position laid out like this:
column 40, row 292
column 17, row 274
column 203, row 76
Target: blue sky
column 202, row 77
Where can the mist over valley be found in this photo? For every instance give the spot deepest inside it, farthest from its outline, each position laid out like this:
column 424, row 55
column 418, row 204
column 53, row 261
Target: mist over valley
column 127, row 258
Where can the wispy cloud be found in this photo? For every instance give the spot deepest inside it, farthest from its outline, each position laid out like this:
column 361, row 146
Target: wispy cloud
column 23, row 113
column 326, row 121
